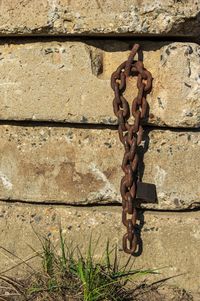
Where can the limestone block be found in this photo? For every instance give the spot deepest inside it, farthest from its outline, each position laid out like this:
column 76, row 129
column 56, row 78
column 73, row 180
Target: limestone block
column 170, row 242
column 70, row 81
column 97, row 17
column 82, row 166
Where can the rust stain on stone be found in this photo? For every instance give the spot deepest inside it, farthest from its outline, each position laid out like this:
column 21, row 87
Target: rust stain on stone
column 27, row 169
column 72, row 181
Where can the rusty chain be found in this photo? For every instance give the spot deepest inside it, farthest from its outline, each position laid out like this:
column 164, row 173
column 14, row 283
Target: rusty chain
column 131, row 136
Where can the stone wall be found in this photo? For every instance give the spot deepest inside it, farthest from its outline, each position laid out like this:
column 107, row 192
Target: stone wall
column 60, row 153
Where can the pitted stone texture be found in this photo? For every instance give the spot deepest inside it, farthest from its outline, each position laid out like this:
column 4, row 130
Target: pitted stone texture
column 82, row 166
column 170, row 240
column 97, row 17
column 70, row 82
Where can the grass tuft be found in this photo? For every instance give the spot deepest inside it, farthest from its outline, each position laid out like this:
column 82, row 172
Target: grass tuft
column 69, row 275
column 67, row 272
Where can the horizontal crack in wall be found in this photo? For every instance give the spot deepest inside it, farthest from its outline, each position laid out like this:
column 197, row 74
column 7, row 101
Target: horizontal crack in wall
column 31, row 123
column 111, row 205
column 120, row 37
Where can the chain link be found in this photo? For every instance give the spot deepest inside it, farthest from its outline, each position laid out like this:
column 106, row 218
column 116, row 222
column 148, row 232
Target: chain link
column 130, row 136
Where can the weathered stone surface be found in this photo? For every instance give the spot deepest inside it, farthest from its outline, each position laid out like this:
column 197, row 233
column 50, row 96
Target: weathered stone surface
column 170, row 240
column 70, row 81
column 98, row 17
column 82, row 166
